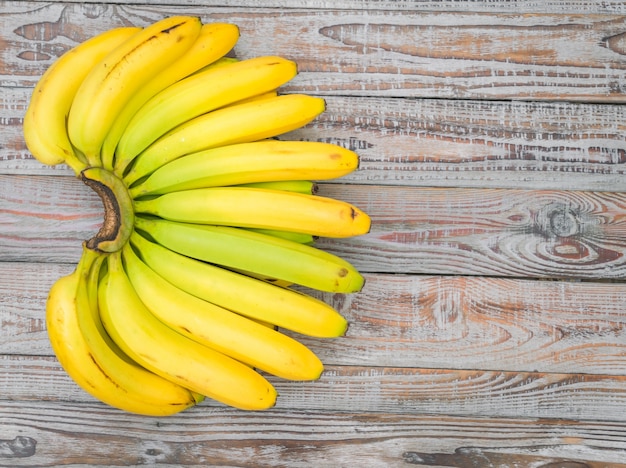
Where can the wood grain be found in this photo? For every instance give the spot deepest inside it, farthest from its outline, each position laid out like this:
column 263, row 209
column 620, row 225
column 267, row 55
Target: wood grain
column 484, row 6
column 413, row 54
column 553, row 234
column 390, row 390
column 462, row 323
column 440, row 143
column 51, row 432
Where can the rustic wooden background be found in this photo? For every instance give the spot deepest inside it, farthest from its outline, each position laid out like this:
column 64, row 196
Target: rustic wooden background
column 492, row 329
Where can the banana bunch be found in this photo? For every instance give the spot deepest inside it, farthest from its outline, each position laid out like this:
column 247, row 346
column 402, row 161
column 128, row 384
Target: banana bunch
column 209, row 220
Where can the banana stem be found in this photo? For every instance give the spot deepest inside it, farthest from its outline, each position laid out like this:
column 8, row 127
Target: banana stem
column 119, row 215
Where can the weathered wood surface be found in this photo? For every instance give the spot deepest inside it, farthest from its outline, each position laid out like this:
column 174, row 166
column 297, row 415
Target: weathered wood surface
column 370, row 52
column 492, row 328
column 221, row 437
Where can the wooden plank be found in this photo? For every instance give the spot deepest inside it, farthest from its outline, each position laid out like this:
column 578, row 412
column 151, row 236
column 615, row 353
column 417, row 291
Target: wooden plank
column 412, row 321
column 370, row 53
column 53, row 434
column 483, row 6
column 515, row 233
column 440, row 143
column 473, row 393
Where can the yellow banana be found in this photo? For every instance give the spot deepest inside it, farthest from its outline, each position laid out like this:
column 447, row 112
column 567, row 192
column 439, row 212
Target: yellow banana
column 67, row 301
column 215, row 40
column 175, row 357
column 218, row 328
column 112, row 82
column 260, row 208
column 144, row 386
column 240, row 123
column 258, row 253
column 282, row 307
column 260, row 161
column 198, row 94
column 45, row 131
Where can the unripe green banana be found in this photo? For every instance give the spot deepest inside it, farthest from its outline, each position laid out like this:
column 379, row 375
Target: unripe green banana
column 259, row 253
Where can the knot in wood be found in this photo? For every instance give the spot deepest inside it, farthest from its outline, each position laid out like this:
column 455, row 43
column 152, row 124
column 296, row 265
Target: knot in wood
column 558, row 220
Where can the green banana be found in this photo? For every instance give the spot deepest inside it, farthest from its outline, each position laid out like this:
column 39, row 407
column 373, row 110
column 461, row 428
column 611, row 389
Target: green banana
column 259, row 253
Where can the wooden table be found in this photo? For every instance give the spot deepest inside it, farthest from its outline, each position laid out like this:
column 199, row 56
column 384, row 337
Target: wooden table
column 492, row 328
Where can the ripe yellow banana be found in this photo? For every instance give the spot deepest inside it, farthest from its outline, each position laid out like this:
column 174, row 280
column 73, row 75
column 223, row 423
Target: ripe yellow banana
column 112, row 82
column 215, row 40
column 282, row 307
column 218, row 328
column 258, row 253
column 240, row 123
column 260, row 208
column 144, row 386
column 175, row 357
column 198, row 94
column 260, row 161
column 45, row 130
column 105, row 380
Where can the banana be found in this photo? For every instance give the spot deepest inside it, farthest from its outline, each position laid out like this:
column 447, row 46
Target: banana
column 301, row 238
column 215, row 40
column 45, row 131
column 118, row 209
column 284, row 308
column 117, row 77
column 240, row 123
column 175, row 357
column 307, row 187
column 67, row 302
column 260, row 208
column 198, row 94
column 260, row 161
column 258, row 253
column 232, row 334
